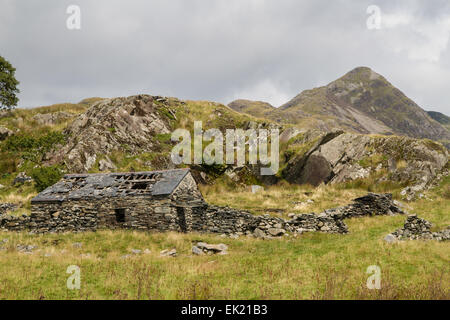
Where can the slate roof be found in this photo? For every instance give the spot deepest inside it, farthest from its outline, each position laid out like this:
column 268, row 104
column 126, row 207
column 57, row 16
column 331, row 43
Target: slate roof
column 97, row 186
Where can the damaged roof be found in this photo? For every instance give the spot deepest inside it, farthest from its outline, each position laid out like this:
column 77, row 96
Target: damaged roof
column 101, row 185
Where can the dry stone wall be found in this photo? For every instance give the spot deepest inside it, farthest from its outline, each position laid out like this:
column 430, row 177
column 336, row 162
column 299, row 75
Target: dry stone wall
column 5, row 207
column 165, row 214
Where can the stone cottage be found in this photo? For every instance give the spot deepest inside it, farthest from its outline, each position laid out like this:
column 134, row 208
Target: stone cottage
column 154, row 200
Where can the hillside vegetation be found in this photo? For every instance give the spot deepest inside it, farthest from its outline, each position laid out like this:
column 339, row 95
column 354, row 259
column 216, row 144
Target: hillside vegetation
column 257, row 109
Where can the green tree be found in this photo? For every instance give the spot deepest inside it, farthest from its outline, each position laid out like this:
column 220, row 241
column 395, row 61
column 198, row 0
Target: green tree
column 8, row 85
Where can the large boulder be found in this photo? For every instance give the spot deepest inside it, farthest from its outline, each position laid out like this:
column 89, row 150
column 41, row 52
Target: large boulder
column 339, row 157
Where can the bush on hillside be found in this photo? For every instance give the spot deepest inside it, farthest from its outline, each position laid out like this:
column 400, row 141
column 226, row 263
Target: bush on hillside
column 33, row 148
column 45, row 177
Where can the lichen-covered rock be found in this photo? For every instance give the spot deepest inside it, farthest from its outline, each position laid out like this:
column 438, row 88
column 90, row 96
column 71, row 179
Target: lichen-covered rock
column 53, row 118
column 339, row 157
column 112, row 123
column 5, row 133
column 205, row 248
column 106, row 164
column 168, row 253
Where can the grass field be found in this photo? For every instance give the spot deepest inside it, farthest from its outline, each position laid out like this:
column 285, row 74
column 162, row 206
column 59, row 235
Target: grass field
column 310, row 266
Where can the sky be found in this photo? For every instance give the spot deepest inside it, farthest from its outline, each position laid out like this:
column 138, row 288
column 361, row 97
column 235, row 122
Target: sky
column 221, row 50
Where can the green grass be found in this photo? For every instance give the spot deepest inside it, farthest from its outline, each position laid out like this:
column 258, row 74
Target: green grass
column 310, row 266
column 254, row 269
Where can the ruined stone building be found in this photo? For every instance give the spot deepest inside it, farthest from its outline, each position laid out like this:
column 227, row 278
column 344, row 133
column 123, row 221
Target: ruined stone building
column 169, row 201
column 156, row 200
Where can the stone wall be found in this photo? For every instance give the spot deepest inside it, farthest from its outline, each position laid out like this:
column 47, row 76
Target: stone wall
column 372, row 204
column 190, row 215
column 140, row 213
column 14, row 223
column 5, row 207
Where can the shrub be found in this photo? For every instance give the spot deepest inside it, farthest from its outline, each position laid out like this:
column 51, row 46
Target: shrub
column 33, row 148
column 45, row 177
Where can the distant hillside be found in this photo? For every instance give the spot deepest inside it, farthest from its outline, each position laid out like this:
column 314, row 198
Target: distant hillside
column 366, row 102
column 441, row 118
column 361, row 101
column 257, row 109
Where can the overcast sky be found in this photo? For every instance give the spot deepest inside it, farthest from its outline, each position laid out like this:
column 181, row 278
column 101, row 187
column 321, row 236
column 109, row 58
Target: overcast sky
column 221, row 50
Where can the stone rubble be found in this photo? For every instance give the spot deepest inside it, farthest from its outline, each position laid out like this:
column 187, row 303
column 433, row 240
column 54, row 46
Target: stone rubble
column 25, row 248
column 416, row 228
column 371, row 204
column 77, row 245
column 202, row 248
column 168, row 253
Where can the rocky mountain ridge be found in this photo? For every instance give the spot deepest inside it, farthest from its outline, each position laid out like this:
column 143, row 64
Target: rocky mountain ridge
column 362, row 101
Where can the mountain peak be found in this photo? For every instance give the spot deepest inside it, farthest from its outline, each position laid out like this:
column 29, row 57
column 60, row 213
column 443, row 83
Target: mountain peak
column 361, row 75
column 362, row 101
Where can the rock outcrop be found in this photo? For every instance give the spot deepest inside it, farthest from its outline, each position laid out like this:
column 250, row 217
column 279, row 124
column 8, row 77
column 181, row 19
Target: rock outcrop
column 339, row 157
column 48, row 119
column 129, row 124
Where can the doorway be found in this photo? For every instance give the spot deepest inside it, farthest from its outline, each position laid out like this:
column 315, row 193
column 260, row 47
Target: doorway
column 181, row 214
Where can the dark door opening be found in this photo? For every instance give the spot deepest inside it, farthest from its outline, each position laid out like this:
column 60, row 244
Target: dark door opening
column 120, row 215
column 181, row 219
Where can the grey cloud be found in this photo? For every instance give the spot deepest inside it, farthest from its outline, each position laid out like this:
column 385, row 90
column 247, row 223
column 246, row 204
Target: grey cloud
column 213, row 49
